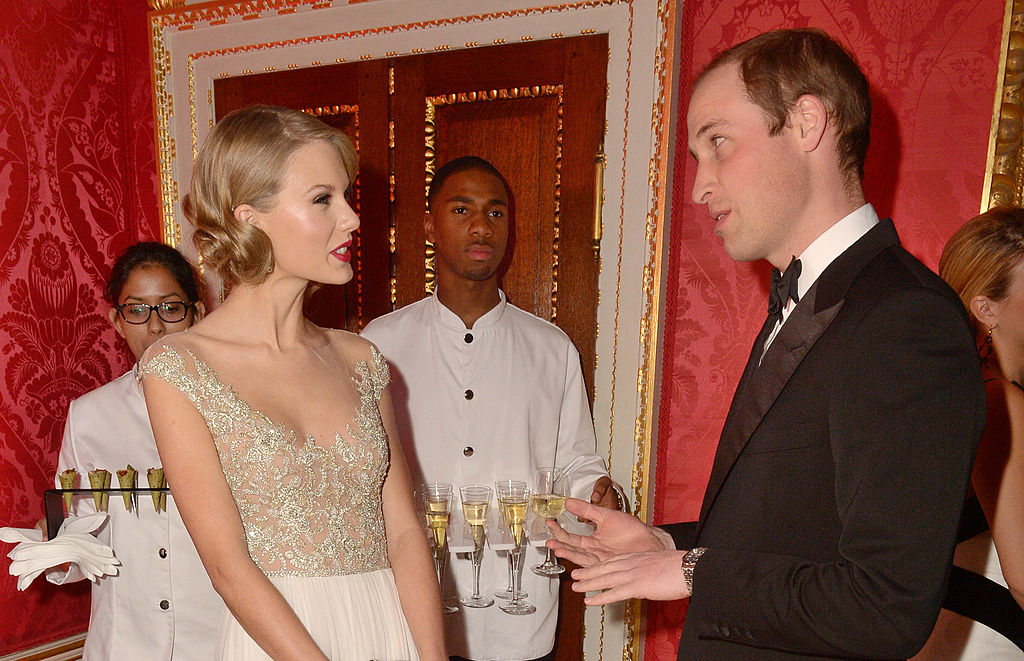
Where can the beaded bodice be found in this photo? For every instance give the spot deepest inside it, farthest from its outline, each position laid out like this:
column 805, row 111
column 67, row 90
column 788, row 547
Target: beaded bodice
column 308, row 509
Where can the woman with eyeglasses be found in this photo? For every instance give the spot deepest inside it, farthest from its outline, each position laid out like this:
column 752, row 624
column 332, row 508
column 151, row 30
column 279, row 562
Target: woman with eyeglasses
column 161, row 604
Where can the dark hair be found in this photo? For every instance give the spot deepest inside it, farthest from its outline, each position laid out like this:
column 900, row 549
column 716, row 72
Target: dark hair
column 456, row 166
column 146, row 254
column 980, row 258
column 780, row 66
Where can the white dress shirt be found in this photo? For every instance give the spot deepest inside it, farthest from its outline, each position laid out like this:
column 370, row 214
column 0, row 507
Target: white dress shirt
column 823, row 251
column 161, row 604
column 478, row 405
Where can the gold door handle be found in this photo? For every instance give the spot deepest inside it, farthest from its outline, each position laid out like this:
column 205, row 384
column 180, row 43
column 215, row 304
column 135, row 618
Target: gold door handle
column 598, row 200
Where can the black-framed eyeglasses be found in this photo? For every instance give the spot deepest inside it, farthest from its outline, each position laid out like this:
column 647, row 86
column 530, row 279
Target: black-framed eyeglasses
column 170, row 311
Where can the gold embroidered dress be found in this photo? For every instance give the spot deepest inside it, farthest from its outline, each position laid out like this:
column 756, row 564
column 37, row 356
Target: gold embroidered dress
column 311, row 511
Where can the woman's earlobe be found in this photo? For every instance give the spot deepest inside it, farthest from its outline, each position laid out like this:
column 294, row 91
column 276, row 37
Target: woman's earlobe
column 244, row 213
column 984, row 310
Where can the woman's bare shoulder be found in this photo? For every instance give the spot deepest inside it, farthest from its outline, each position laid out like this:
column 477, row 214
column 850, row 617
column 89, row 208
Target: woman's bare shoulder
column 353, row 347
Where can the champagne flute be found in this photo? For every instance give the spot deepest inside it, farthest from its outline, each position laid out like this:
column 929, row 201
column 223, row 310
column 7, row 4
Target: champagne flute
column 514, row 506
column 501, row 489
column 475, row 499
column 547, row 503
column 437, row 506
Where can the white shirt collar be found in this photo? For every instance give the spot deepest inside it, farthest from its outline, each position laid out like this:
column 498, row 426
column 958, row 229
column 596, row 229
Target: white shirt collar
column 823, row 251
column 831, row 243
column 452, row 320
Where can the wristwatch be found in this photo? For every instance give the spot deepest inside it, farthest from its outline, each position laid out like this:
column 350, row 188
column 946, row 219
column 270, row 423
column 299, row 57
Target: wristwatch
column 689, row 563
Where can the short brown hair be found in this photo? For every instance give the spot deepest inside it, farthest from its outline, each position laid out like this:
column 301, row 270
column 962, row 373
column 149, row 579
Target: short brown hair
column 780, row 66
column 241, row 162
column 980, row 257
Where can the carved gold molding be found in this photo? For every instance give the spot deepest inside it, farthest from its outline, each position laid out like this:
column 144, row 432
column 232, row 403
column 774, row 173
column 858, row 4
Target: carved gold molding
column 482, row 96
column 1004, row 171
column 163, row 110
column 65, row 649
column 165, row 4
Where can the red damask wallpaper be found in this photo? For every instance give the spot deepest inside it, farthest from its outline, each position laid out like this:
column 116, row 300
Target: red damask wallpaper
column 932, row 65
column 77, row 185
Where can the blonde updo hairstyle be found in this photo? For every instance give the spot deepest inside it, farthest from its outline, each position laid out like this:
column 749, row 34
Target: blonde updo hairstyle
column 241, row 162
column 980, row 258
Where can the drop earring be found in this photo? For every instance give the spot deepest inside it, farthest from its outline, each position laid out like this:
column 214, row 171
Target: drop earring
column 986, row 350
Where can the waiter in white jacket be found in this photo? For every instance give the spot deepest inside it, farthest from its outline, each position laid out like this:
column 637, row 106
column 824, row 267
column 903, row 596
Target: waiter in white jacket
column 161, row 605
column 484, row 391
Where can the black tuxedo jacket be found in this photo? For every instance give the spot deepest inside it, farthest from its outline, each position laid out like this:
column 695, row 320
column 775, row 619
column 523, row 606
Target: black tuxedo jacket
column 832, row 508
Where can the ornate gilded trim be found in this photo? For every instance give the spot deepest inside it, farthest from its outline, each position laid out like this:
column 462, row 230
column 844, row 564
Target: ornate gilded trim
column 186, row 18
column 163, row 110
column 654, row 232
column 482, row 96
column 1004, row 164
column 65, row 649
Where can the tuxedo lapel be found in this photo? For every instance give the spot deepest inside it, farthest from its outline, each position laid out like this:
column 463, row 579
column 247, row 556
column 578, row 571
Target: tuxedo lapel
column 761, row 384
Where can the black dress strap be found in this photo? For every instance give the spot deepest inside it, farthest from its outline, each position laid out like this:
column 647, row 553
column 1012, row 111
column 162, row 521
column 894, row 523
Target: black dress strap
column 977, row 597
column 972, row 520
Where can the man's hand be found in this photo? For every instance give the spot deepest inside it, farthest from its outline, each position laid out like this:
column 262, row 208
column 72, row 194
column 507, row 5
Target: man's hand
column 604, row 494
column 654, row 575
column 616, row 533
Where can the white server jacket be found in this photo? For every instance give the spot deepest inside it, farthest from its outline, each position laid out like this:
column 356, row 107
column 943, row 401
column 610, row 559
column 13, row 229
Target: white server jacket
column 478, row 405
column 161, row 605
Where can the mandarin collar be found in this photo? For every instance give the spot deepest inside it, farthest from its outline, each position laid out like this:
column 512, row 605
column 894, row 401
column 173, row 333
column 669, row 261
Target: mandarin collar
column 454, row 322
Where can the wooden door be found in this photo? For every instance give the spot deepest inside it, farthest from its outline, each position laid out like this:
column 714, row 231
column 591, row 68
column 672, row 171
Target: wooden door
column 535, row 110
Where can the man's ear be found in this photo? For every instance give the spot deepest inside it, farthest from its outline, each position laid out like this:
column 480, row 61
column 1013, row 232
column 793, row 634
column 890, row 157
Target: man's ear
column 985, row 310
column 809, row 118
column 428, row 226
column 245, row 213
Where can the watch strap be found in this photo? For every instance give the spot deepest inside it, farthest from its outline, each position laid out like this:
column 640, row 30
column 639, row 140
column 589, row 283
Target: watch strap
column 689, row 564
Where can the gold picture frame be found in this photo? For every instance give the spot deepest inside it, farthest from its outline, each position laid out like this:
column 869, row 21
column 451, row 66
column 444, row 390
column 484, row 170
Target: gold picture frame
column 1004, row 169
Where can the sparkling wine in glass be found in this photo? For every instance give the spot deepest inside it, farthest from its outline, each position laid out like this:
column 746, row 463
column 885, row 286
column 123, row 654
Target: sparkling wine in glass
column 548, row 502
column 501, row 489
column 514, row 506
column 437, row 508
column 475, row 500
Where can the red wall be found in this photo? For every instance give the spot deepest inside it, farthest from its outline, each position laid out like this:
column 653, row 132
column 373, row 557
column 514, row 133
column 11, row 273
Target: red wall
column 77, row 185
column 932, row 66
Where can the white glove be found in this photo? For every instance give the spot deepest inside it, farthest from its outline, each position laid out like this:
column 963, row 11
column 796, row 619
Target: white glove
column 73, row 544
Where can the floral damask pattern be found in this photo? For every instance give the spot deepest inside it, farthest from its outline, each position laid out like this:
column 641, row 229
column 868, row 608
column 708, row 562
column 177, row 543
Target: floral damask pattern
column 932, row 67
column 76, row 158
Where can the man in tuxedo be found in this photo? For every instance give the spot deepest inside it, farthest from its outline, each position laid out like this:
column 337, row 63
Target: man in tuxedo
column 829, row 521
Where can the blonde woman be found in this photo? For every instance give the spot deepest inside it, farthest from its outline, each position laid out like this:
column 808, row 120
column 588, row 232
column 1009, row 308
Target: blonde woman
column 277, row 436
column 984, row 263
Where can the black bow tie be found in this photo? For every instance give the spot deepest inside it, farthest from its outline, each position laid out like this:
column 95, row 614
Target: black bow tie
column 783, row 289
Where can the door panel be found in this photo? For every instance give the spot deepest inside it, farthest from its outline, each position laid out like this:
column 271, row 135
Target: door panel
column 520, row 138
